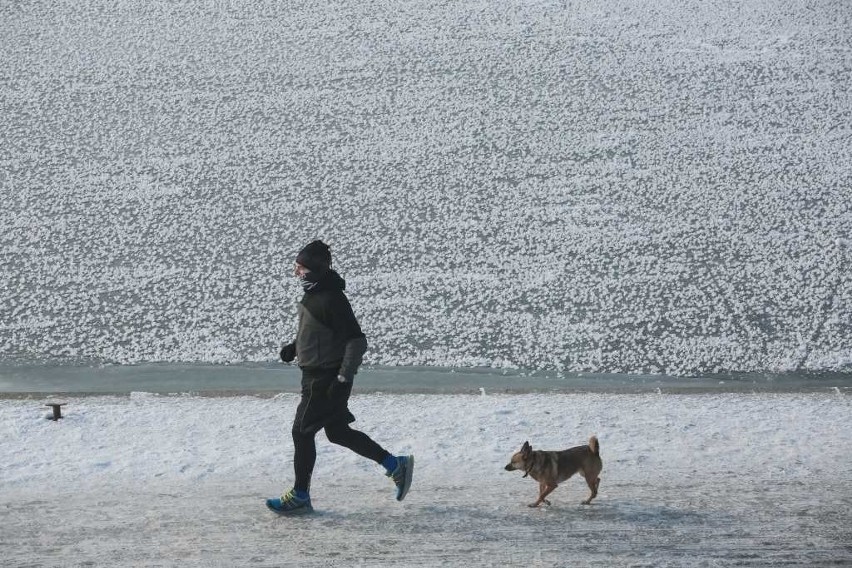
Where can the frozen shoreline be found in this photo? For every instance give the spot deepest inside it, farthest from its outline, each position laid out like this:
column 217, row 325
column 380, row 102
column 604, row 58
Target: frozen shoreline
column 271, row 378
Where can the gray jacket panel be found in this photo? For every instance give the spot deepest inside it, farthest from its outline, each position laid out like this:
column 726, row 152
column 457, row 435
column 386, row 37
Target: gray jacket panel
column 317, row 347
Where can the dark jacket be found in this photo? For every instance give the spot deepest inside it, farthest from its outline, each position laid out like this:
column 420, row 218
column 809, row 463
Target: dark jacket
column 329, row 337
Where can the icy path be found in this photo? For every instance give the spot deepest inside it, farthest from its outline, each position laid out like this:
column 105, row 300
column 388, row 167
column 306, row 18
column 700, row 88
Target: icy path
column 695, row 480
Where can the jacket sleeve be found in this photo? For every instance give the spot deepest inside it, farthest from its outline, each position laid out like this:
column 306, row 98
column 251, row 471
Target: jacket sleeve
column 353, row 356
column 346, row 326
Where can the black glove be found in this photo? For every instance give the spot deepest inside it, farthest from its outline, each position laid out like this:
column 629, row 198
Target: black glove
column 288, row 352
column 336, row 384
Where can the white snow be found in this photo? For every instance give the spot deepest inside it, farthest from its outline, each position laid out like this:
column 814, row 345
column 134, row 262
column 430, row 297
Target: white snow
column 688, row 480
column 596, row 185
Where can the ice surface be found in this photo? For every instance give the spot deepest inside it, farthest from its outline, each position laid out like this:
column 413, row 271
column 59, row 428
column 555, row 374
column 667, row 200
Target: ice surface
column 689, row 480
column 604, row 185
column 268, row 379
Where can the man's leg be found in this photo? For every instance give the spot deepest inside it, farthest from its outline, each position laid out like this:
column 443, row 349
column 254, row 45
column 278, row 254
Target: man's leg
column 304, row 458
column 399, row 468
column 358, row 442
column 298, row 500
column 304, row 445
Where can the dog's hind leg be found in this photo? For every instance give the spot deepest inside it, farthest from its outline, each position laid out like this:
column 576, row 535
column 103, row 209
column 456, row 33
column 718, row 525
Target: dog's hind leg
column 593, row 485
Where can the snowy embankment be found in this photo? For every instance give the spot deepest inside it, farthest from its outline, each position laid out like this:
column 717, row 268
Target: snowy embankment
column 605, row 185
column 688, row 480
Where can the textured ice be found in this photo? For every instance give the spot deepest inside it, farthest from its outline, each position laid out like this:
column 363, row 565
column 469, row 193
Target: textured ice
column 603, row 186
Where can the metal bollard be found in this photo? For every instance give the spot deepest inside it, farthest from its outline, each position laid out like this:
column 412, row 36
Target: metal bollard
column 57, row 412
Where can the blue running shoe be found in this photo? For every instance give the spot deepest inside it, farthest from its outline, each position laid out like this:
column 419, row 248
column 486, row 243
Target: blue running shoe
column 290, row 504
column 402, row 475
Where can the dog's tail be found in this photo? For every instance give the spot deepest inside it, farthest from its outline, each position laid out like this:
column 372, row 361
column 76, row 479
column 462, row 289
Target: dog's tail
column 594, row 446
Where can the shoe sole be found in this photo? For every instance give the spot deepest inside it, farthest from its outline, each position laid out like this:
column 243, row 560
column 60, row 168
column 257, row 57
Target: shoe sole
column 409, row 474
column 291, row 512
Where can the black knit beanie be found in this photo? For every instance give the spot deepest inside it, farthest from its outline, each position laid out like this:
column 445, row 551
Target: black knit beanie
column 316, row 256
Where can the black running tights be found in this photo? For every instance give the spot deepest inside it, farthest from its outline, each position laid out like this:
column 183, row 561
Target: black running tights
column 306, row 450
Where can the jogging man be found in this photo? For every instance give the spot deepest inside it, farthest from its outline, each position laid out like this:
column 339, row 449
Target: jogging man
column 329, row 347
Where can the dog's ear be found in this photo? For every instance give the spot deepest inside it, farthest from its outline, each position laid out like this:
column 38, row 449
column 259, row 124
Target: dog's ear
column 526, row 448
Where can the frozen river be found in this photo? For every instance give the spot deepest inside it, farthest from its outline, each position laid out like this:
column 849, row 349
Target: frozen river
column 605, row 186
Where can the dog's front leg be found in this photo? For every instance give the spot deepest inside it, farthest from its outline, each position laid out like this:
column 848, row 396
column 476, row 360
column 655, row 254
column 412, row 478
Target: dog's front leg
column 542, row 492
column 544, row 489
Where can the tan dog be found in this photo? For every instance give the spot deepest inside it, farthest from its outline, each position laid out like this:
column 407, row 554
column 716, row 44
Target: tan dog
column 552, row 468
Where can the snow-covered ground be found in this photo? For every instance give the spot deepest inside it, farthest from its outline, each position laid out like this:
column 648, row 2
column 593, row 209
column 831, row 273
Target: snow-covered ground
column 596, row 185
column 725, row 479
